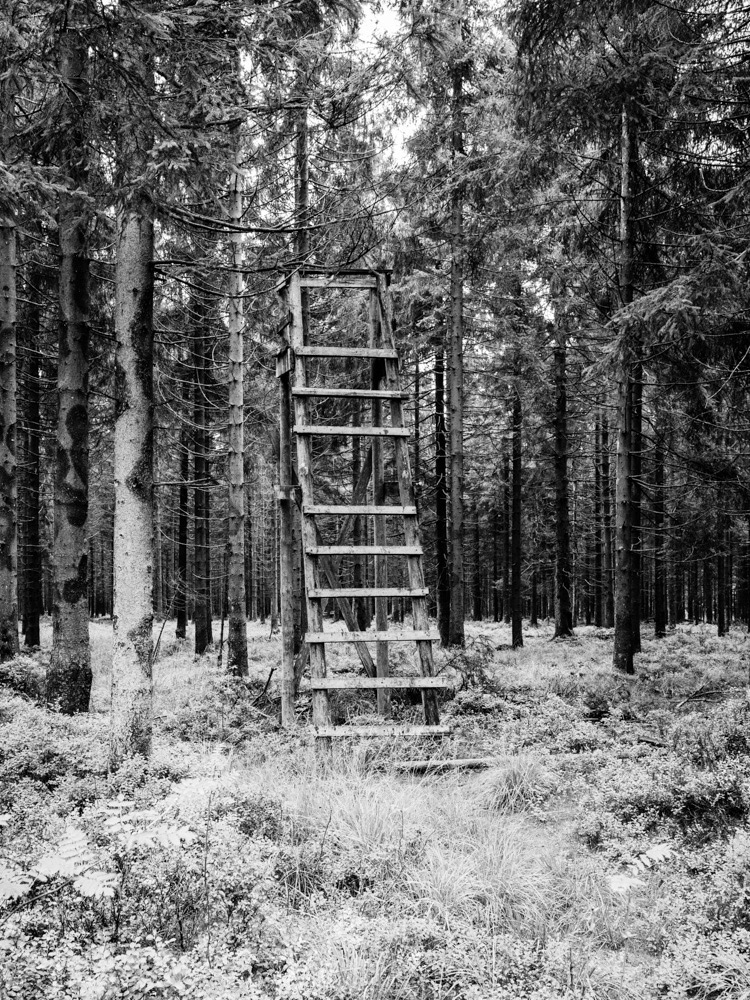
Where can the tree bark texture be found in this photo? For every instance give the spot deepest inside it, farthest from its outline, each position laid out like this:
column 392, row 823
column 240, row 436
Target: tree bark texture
column 441, row 504
column 563, row 606
column 201, row 494
column 69, row 671
column 237, row 638
column 624, row 646
column 608, row 598
column 660, row 579
column 516, row 547
column 134, row 486
column 8, row 467
column 180, row 601
column 32, row 551
column 456, row 372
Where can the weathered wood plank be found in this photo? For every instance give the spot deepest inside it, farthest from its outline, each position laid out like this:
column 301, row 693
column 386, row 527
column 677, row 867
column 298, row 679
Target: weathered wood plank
column 435, row 766
column 309, row 351
column 353, row 509
column 326, row 392
column 346, row 430
column 402, row 635
column 349, row 281
column 381, row 731
column 322, row 594
column 355, row 682
column 366, row 550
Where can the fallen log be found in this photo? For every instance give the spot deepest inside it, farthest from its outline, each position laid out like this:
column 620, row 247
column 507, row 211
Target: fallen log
column 449, row 764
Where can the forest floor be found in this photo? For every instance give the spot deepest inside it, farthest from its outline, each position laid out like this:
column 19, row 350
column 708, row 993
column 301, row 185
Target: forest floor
column 604, row 854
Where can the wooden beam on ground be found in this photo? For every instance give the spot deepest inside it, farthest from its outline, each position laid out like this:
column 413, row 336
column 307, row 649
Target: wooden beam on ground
column 435, row 766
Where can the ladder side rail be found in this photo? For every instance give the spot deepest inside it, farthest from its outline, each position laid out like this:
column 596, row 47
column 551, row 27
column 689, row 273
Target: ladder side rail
column 286, row 551
column 380, row 535
column 321, row 708
column 420, row 617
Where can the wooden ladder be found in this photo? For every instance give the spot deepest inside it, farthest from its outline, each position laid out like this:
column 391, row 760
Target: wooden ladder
column 321, row 560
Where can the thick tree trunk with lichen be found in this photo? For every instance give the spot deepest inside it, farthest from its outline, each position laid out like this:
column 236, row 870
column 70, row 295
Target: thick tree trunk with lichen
column 8, row 487
column 69, row 671
column 131, row 724
column 237, row 640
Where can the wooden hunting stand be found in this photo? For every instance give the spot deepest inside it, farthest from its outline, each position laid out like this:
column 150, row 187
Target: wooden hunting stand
column 323, row 556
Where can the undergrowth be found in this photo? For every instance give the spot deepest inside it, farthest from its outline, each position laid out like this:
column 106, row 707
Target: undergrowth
column 604, row 851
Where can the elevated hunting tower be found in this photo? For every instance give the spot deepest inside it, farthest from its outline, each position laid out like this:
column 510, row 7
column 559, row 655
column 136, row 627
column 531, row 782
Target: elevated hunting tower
column 358, row 524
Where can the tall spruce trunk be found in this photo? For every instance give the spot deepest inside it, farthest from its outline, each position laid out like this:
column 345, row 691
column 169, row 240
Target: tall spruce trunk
column 8, row 375
column 237, row 637
column 456, row 635
column 516, row 547
column 181, row 585
column 624, row 646
column 69, row 671
column 32, row 550
column 8, row 467
column 477, row 567
column 443, row 590
column 608, row 598
column 636, row 447
column 563, row 606
column 201, row 495
column 658, row 506
column 506, row 536
column 598, row 562
column 132, row 716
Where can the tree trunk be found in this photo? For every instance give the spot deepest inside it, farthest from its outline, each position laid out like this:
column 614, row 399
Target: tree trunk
column 563, row 608
column 477, row 568
column 598, row 562
column 32, row 551
column 8, row 468
column 132, row 717
column 636, row 444
column 201, row 495
column 182, row 534
column 237, row 637
column 660, row 582
column 624, row 644
column 608, row 599
column 441, row 505
column 69, row 671
column 506, row 536
column 456, row 370
column 496, row 609
column 517, row 606
column 708, row 592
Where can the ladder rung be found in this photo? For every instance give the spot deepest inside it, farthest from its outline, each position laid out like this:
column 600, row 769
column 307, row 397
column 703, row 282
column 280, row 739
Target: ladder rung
column 400, row 432
column 353, row 683
column 351, row 281
column 403, row 635
column 367, row 592
column 358, row 509
column 365, row 550
column 346, row 352
column 322, row 732
column 324, row 391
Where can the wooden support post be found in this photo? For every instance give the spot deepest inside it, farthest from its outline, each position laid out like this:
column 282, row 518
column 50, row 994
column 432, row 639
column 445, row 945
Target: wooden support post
column 420, row 617
column 286, row 555
column 321, row 711
column 378, row 499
